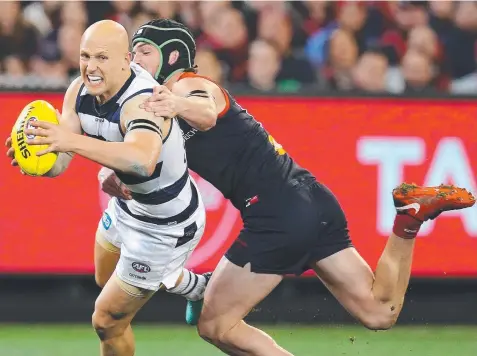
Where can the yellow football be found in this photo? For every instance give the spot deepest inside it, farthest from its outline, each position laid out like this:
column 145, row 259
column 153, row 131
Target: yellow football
column 25, row 154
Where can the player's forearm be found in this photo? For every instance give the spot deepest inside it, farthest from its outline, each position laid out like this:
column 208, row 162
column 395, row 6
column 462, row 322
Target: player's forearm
column 119, row 156
column 200, row 114
column 62, row 162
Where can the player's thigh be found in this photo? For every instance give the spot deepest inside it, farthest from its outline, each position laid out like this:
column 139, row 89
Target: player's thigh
column 106, row 257
column 350, row 279
column 116, row 306
column 230, row 295
column 107, row 245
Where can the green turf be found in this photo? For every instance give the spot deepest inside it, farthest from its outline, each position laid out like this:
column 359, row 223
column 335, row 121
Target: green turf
column 74, row 340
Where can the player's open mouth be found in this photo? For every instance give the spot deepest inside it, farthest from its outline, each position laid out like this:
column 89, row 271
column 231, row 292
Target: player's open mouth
column 95, row 80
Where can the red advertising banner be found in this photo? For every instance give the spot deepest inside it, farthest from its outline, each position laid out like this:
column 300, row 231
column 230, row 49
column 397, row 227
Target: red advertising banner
column 360, row 148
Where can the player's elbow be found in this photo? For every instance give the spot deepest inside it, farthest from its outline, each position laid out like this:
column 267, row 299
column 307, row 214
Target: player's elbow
column 143, row 168
column 209, row 119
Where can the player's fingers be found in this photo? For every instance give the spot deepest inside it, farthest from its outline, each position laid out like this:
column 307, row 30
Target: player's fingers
column 154, row 100
column 11, row 152
column 39, row 140
column 111, row 189
column 40, row 124
column 14, row 163
column 8, row 142
column 112, row 186
column 45, row 151
column 164, row 113
column 126, row 193
column 36, row 132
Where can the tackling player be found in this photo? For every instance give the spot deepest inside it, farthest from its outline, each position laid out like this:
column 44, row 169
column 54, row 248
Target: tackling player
column 146, row 239
column 292, row 223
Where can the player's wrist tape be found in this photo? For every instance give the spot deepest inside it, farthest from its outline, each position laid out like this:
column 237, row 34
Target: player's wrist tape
column 143, row 125
column 198, row 93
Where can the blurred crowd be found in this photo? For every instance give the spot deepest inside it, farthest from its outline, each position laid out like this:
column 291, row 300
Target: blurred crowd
column 395, row 47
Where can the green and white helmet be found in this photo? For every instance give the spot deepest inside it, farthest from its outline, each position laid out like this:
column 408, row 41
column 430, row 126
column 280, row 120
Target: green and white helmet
column 175, row 43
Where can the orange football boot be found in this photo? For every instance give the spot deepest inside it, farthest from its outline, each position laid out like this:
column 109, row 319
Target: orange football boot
column 426, row 203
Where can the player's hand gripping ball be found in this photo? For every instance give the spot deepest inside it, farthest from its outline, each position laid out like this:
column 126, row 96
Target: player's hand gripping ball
column 25, row 154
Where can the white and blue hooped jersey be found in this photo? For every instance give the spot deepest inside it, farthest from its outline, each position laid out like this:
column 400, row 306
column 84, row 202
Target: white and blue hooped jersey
column 169, row 196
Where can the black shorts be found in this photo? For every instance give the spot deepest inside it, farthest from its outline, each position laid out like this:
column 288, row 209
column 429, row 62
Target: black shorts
column 287, row 229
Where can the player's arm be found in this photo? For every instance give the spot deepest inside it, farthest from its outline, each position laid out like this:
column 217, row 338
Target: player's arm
column 70, row 120
column 196, row 100
column 139, row 152
column 200, row 102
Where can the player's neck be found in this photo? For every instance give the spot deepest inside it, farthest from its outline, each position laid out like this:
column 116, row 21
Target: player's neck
column 172, row 80
column 103, row 98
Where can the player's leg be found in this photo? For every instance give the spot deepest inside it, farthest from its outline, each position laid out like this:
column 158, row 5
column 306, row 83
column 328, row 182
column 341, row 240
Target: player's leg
column 377, row 299
column 269, row 247
column 187, row 283
column 107, row 247
column 106, row 257
column 372, row 300
column 114, row 310
column 232, row 292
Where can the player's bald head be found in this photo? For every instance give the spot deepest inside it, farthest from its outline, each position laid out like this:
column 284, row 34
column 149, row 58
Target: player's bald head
column 107, row 34
column 105, row 58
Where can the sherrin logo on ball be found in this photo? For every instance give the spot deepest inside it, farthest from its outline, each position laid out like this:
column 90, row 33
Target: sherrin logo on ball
column 25, row 154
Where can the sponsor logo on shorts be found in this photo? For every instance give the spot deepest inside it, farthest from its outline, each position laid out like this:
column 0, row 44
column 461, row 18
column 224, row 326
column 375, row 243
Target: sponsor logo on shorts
column 106, row 220
column 136, row 276
column 141, row 267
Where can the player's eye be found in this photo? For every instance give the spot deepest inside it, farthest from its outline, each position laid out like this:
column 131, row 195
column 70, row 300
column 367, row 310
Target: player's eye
column 84, row 56
column 103, row 58
column 146, row 53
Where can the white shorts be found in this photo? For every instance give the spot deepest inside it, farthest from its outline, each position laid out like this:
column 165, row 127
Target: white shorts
column 151, row 254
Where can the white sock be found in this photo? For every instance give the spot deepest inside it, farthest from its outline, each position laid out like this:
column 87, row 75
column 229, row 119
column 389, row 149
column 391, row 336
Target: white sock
column 192, row 286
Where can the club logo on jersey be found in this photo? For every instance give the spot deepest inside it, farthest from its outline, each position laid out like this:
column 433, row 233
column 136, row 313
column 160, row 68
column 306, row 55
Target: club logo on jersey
column 141, row 267
column 29, row 126
column 173, row 57
column 251, row 201
column 106, row 220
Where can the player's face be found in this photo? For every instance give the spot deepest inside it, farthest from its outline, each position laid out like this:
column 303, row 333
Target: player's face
column 101, row 66
column 147, row 56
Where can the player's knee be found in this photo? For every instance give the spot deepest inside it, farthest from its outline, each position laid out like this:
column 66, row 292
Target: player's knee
column 373, row 321
column 108, row 325
column 209, row 331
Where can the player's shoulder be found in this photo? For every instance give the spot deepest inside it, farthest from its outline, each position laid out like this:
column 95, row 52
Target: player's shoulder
column 142, row 77
column 142, row 84
column 76, row 85
column 190, row 81
column 75, row 89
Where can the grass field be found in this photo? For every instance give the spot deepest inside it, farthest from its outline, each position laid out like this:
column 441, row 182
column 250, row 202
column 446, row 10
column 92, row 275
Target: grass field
column 80, row 340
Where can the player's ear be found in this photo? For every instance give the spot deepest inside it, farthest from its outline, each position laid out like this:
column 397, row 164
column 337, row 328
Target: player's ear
column 127, row 61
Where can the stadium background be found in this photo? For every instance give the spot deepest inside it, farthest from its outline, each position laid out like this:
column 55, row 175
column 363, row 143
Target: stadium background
column 365, row 94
